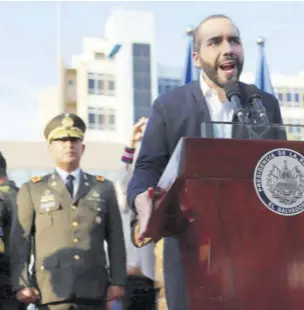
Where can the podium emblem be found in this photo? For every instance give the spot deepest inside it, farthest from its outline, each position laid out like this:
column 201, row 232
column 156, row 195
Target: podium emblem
column 279, row 181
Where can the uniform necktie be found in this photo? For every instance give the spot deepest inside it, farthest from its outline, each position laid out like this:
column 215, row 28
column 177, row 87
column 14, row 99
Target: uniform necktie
column 69, row 184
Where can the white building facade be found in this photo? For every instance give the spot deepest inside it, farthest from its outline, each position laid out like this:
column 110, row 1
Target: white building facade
column 115, row 78
column 289, row 90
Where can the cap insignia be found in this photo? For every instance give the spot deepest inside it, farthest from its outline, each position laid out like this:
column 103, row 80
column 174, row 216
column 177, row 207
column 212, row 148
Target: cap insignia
column 67, row 122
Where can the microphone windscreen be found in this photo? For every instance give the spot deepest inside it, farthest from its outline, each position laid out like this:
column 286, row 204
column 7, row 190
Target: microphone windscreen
column 232, row 89
column 252, row 91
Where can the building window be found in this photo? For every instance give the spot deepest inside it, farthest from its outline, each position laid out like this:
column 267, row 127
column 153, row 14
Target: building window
column 91, row 119
column 296, row 97
column 111, row 85
column 91, row 86
column 112, row 119
column 101, row 84
column 102, row 119
column 141, row 50
column 99, row 56
column 289, row 122
column 280, row 97
column 160, row 89
column 167, row 84
column 142, row 94
column 288, row 97
column 297, row 123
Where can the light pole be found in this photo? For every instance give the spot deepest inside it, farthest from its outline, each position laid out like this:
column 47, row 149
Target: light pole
column 60, row 63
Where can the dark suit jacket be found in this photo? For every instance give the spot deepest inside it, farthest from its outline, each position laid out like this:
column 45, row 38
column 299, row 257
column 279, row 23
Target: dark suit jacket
column 178, row 114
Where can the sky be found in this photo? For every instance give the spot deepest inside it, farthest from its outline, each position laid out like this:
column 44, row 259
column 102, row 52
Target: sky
column 28, row 34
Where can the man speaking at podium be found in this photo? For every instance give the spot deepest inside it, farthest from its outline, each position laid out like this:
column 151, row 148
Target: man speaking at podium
column 218, row 52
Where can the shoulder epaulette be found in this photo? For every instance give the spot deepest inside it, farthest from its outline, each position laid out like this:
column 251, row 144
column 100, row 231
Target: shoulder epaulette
column 100, row 178
column 4, row 188
column 36, row 179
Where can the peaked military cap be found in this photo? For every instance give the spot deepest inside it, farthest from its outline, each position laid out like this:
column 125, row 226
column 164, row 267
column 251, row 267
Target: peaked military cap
column 65, row 125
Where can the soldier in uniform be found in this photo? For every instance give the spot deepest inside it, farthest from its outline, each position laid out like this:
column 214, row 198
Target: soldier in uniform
column 69, row 215
column 8, row 193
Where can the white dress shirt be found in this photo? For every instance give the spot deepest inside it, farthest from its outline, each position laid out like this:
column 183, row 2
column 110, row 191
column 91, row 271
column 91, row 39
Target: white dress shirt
column 76, row 174
column 219, row 111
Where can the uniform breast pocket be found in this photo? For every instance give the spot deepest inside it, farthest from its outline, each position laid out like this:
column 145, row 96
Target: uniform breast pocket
column 98, row 211
column 48, row 213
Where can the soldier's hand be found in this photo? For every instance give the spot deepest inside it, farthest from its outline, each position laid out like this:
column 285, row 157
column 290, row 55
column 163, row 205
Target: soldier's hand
column 143, row 206
column 115, row 292
column 28, row 295
column 138, row 131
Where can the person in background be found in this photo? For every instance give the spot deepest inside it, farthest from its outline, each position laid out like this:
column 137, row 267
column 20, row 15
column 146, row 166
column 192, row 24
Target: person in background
column 8, row 195
column 140, row 286
column 65, row 217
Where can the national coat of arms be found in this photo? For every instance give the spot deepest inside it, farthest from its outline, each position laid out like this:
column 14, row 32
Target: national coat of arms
column 279, row 181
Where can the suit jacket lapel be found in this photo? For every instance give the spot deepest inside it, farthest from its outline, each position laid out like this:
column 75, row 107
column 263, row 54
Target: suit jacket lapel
column 84, row 187
column 202, row 111
column 57, row 185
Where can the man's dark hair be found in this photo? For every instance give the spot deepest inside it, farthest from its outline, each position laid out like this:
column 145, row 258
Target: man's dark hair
column 2, row 166
column 196, row 31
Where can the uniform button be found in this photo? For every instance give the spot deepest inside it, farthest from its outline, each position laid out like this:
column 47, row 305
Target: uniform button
column 75, row 224
column 75, row 240
column 76, row 257
column 47, row 209
column 73, row 207
column 41, row 267
column 98, row 209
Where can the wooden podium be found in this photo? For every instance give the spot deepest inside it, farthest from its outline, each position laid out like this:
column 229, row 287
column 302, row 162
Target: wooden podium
column 237, row 254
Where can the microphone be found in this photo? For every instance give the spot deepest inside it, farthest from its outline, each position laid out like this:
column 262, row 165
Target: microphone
column 256, row 101
column 233, row 94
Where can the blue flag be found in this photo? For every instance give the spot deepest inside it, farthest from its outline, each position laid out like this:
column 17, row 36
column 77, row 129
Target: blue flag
column 189, row 65
column 262, row 80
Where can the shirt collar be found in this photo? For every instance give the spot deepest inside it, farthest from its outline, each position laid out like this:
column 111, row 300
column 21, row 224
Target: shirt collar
column 209, row 92
column 63, row 174
column 206, row 89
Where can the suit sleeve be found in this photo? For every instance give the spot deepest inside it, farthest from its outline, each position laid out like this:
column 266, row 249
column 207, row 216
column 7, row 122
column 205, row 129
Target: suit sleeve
column 153, row 155
column 20, row 238
column 115, row 241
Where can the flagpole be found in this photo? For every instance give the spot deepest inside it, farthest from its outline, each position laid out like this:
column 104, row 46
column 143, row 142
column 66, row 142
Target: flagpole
column 60, row 62
column 188, row 77
column 263, row 79
column 261, row 41
column 189, row 31
column 58, row 28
